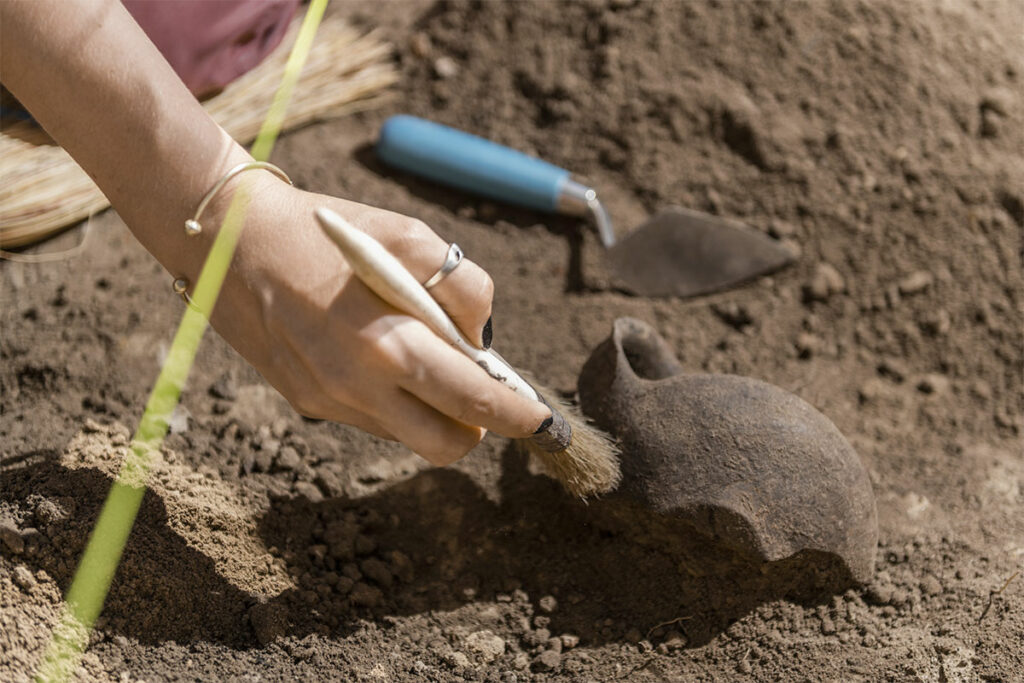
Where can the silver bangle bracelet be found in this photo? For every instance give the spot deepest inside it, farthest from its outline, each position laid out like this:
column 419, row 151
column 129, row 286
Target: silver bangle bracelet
column 193, row 226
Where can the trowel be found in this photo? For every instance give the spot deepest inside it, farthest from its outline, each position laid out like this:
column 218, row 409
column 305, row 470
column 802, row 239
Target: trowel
column 678, row 252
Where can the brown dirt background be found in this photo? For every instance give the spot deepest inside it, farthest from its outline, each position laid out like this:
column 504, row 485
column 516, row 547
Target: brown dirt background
column 883, row 139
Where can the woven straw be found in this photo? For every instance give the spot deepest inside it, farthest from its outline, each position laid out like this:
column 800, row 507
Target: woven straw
column 43, row 190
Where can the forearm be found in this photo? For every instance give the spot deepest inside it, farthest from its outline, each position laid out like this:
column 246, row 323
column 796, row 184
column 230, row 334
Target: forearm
column 100, row 88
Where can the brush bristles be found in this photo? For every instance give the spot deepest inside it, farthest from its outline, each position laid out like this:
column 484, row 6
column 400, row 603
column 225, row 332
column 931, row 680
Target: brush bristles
column 589, row 466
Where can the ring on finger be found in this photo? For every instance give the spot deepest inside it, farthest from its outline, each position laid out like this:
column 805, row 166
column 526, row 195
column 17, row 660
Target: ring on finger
column 451, row 261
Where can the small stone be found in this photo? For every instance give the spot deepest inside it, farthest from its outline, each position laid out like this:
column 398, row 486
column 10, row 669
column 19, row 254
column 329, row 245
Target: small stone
column 48, row 511
column 570, row 641
column 178, row 424
column 674, row 640
column 268, row 621
column 365, row 595
column 446, row 67
column 287, row 458
column 555, row 644
column 310, row 492
column 893, row 368
column 936, row 323
column 344, row 585
column 733, row 314
column 548, row 603
column 365, row 544
column 11, row 538
column 521, row 661
column 419, row 44
column 933, row 383
column 991, row 124
column 880, row 594
column 328, row 482
column 808, row 345
column 377, row 571
column 262, row 461
column 930, row 585
column 828, row 627
column 549, row 660
column 224, row 388
column 792, row 246
column 915, row 283
column 458, row 660
column 998, row 101
column 981, row 389
column 780, row 228
column 23, row 577
column 825, row 282
column 488, row 645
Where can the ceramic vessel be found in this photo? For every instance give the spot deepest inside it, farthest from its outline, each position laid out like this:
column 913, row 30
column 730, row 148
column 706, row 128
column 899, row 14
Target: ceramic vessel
column 743, row 461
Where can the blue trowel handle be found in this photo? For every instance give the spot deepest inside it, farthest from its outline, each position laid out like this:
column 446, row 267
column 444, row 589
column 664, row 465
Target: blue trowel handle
column 470, row 163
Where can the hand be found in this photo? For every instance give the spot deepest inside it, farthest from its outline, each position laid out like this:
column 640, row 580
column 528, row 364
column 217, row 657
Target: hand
column 292, row 307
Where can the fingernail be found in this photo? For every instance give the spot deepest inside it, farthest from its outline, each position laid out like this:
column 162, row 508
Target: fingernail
column 545, row 425
column 488, row 333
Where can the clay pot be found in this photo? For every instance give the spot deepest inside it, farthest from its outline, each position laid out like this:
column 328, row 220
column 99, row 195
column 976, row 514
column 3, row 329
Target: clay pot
column 743, row 461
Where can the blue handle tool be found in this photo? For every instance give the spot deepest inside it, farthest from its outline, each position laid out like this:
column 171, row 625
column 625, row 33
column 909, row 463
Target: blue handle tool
column 470, row 163
column 476, row 165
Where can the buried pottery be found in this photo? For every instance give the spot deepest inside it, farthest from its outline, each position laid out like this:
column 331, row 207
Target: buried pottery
column 742, row 461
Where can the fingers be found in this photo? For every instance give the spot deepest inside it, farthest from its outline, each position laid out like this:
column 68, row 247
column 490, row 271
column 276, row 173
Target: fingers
column 454, row 385
column 431, row 435
column 465, row 293
column 308, row 394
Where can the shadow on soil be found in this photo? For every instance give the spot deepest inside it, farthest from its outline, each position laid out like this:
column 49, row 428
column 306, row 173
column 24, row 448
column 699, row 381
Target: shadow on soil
column 456, row 200
column 613, row 570
column 163, row 590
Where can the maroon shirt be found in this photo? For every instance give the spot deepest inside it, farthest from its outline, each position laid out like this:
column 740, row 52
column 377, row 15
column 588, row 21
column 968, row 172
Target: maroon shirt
column 212, row 42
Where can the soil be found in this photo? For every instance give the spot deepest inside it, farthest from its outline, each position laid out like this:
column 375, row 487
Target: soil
column 882, row 139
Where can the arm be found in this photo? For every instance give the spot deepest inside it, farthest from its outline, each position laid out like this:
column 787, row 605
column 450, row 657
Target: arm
column 289, row 305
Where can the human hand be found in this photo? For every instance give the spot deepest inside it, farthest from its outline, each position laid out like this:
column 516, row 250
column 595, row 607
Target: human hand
column 292, row 307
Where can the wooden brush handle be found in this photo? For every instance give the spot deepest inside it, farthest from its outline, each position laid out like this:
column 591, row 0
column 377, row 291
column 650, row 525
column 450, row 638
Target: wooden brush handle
column 389, row 279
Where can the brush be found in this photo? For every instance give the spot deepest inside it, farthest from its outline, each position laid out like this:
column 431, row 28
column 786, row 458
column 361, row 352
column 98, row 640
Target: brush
column 576, row 453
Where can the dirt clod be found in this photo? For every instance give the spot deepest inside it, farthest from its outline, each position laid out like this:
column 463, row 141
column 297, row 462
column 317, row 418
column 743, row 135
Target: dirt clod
column 488, row 645
column 549, row 660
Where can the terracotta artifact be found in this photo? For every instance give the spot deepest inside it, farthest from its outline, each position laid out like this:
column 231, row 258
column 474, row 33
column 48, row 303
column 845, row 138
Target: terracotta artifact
column 743, row 461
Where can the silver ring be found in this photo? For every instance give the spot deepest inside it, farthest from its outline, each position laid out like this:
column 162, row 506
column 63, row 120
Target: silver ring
column 451, row 261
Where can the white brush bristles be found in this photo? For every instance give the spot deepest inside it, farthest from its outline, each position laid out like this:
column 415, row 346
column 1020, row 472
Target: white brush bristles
column 589, row 466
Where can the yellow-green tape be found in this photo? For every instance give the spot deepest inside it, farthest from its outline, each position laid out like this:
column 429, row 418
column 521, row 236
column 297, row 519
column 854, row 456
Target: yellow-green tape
column 85, row 597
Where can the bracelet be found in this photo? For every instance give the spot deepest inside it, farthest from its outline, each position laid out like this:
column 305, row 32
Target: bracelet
column 193, row 227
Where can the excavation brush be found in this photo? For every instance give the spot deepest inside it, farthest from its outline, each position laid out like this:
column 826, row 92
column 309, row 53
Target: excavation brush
column 677, row 252
column 579, row 455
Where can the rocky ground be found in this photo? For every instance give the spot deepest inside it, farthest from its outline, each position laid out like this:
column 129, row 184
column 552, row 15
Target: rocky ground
column 882, row 140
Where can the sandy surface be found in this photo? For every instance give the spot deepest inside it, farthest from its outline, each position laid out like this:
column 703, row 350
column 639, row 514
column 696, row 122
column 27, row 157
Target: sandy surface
column 883, row 140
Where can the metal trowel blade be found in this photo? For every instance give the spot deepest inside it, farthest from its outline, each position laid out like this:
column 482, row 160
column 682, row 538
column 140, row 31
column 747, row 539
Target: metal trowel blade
column 680, row 252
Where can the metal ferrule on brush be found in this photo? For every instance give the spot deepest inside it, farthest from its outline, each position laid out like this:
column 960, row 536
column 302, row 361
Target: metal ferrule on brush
column 554, row 434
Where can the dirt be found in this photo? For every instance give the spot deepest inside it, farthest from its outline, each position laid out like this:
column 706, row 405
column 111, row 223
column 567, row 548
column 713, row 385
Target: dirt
column 882, row 139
